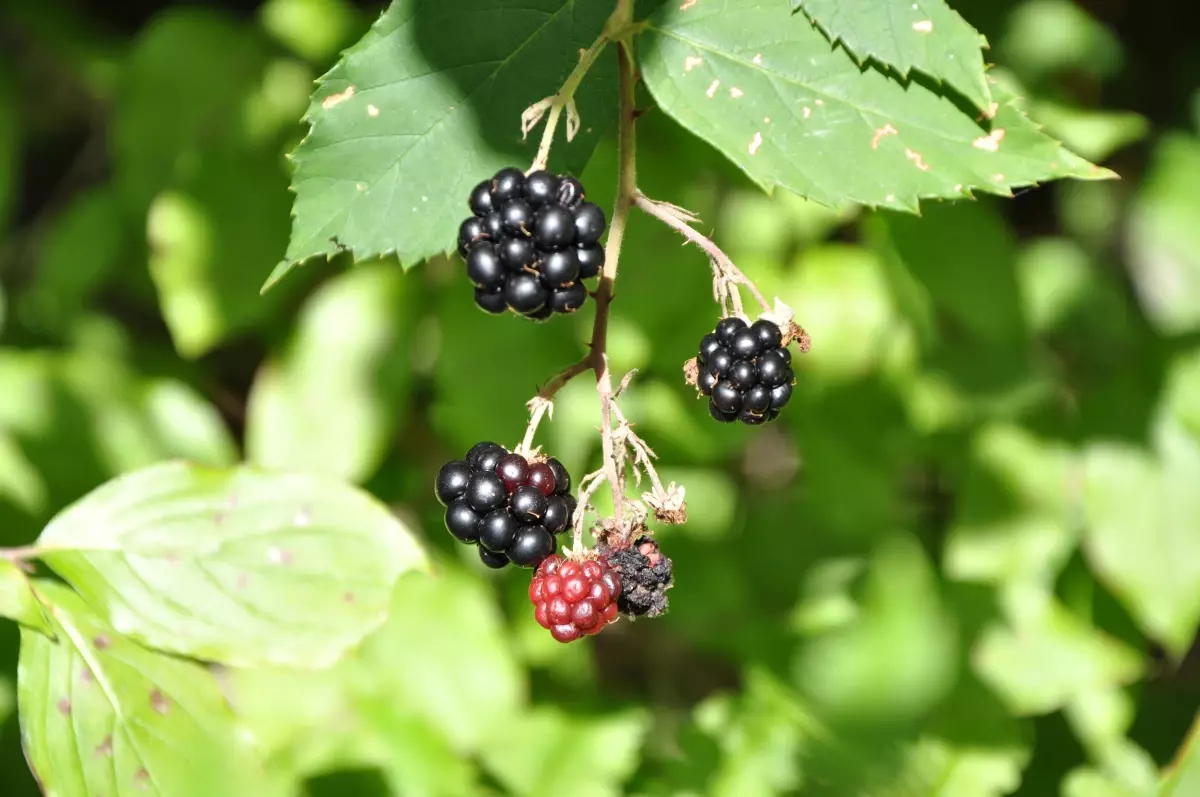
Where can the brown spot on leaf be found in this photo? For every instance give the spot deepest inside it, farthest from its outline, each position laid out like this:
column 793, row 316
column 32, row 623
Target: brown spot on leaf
column 86, row 676
column 881, row 133
column 64, row 706
column 990, row 142
column 349, row 597
column 338, row 98
column 159, row 702
column 243, row 580
column 917, row 160
column 141, row 779
column 105, row 748
column 101, row 641
column 279, row 556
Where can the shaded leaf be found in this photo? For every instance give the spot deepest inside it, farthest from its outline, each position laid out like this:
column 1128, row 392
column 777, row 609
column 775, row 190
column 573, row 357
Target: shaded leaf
column 431, row 84
column 17, row 601
column 350, row 353
column 766, row 90
column 101, row 715
column 926, row 35
column 1182, row 776
column 238, row 566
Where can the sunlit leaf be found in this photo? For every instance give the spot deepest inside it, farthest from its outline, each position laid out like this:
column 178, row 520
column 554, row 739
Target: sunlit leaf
column 926, row 35
column 434, row 84
column 17, row 601
column 1143, row 520
column 765, row 89
column 1042, row 661
column 331, row 403
column 102, row 715
column 238, row 566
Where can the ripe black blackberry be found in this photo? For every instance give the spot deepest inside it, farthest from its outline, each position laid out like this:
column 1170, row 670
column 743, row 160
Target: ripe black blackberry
column 745, row 371
column 530, row 243
column 508, row 506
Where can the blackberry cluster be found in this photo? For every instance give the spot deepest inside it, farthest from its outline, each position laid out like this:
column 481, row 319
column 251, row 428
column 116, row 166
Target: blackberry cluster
column 508, row 506
column 574, row 598
column 745, row 371
column 530, row 243
column 646, row 576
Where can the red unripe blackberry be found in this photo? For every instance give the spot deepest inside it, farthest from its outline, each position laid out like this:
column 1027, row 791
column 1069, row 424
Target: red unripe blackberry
column 574, row 597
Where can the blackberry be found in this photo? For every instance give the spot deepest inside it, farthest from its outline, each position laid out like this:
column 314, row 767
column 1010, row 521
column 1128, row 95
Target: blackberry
column 508, row 506
column 645, row 578
column 574, row 597
column 530, row 242
column 745, row 371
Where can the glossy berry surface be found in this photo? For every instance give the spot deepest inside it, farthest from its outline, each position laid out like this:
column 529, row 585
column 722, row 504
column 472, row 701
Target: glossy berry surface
column 507, row 505
column 574, row 597
column 744, row 371
column 530, row 242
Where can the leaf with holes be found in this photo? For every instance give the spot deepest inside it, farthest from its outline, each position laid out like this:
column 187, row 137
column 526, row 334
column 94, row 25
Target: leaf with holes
column 241, row 566
column 427, row 104
column 765, row 88
column 17, row 601
column 926, row 35
column 101, row 715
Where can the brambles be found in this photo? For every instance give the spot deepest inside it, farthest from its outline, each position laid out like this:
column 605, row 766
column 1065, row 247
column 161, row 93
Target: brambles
column 745, row 370
column 509, row 507
column 530, row 243
column 574, row 597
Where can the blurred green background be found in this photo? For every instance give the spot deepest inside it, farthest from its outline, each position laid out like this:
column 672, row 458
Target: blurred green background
column 966, row 562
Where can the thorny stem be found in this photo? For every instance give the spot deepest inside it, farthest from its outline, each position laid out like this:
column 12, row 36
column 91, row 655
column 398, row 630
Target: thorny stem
column 677, row 219
column 626, row 192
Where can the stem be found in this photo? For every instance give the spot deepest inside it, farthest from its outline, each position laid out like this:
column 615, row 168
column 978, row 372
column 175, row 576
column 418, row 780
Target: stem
column 721, row 260
column 618, row 25
column 626, row 192
column 542, row 403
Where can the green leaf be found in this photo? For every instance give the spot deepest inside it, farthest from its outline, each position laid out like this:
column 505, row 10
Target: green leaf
column 1048, row 657
column 1164, row 240
column 926, row 35
column 9, row 145
column 238, row 566
column 766, row 90
column 181, row 90
column 101, row 715
column 351, row 352
column 868, row 669
column 434, row 84
column 548, row 752
column 1143, row 525
column 1012, row 519
column 82, row 246
column 17, row 601
column 1182, row 776
column 461, row 634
